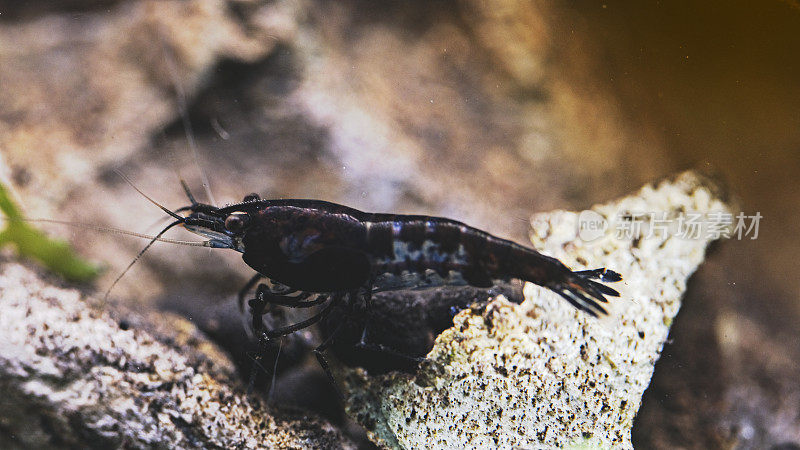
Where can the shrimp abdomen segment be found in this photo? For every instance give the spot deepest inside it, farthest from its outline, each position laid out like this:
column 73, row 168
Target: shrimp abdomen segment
column 416, row 244
column 403, row 245
column 409, row 247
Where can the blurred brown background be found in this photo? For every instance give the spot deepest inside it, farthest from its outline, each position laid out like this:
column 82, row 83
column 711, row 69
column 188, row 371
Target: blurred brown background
column 483, row 112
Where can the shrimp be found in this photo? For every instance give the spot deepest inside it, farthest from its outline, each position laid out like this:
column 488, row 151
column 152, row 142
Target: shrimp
column 316, row 253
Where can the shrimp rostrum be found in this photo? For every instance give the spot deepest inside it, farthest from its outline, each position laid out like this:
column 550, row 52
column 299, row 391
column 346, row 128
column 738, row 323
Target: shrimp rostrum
column 325, row 255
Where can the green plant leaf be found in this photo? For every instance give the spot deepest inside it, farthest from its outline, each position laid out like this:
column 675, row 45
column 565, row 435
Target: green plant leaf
column 31, row 243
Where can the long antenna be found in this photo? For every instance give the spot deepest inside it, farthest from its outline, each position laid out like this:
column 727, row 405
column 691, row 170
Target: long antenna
column 156, row 238
column 188, row 192
column 183, row 109
column 180, row 220
column 163, row 208
column 103, row 229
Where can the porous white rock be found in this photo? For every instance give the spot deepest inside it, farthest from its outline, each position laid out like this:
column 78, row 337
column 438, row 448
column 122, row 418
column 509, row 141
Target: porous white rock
column 542, row 374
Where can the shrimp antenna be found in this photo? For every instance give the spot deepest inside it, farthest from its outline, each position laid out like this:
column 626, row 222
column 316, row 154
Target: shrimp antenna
column 156, row 238
column 180, row 96
column 163, row 208
column 103, row 229
column 188, row 192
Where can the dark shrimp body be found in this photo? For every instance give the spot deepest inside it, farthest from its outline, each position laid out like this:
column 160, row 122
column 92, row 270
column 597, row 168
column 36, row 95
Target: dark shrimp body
column 312, row 246
column 318, row 246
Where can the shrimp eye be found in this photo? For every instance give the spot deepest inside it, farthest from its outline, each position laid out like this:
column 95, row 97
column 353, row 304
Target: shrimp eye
column 251, row 198
column 236, row 222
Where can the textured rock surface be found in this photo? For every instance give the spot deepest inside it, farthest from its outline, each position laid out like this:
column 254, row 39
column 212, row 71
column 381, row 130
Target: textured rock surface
column 71, row 375
column 82, row 91
column 541, row 373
